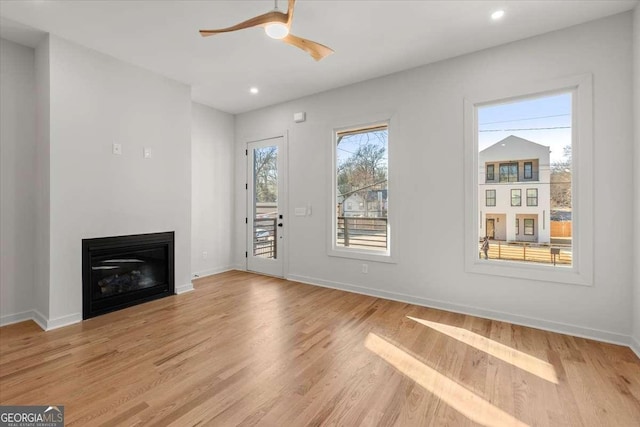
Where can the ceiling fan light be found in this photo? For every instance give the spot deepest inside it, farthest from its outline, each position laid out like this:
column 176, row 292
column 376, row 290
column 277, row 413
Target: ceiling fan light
column 276, row 30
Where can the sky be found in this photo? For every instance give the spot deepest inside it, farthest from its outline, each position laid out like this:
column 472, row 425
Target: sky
column 544, row 120
column 349, row 144
column 529, row 119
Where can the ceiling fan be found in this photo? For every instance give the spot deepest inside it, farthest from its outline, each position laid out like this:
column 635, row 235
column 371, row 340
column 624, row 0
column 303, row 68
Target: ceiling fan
column 277, row 25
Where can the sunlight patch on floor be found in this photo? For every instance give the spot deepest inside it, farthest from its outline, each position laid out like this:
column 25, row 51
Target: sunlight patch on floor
column 453, row 394
column 521, row 360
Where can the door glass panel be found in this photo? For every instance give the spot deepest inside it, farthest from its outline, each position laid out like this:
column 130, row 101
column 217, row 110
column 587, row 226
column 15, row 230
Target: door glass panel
column 265, row 205
column 491, row 227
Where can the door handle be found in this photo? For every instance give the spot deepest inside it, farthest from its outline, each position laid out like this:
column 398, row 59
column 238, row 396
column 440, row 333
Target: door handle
column 280, row 224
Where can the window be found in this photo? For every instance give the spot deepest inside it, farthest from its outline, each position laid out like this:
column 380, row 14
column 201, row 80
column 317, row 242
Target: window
column 540, row 122
column 516, row 196
column 361, row 180
column 528, row 170
column 490, row 197
column 517, row 226
column 490, row 172
column 529, row 226
column 508, row 172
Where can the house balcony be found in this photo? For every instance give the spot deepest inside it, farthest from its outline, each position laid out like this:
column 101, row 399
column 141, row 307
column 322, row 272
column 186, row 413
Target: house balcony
column 534, row 177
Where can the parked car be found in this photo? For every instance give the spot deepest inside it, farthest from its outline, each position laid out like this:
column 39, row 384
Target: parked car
column 262, row 234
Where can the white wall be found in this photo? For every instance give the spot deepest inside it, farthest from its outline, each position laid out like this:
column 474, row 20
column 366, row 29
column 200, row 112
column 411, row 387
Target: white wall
column 636, row 119
column 427, row 144
column 42, row 191
column 212, row 142
column 17, row 180
column 94, row 101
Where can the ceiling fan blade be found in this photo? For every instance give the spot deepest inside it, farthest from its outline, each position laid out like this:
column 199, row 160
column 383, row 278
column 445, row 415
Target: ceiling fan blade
column 258, row 21
column 316, row 50
column 290, row 12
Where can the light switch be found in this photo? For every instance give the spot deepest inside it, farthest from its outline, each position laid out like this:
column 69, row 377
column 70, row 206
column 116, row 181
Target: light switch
column 147, row 153
column 117, row 148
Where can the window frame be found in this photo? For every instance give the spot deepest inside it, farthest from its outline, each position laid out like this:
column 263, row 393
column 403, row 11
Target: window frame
column 531, row 197
column 487, row 198
column 581, row 88
column 333, row 250
column 519, row 190
column 510, row 166
column 491, row 177
column 533, row 227
column 524, row 170
column 517, row 226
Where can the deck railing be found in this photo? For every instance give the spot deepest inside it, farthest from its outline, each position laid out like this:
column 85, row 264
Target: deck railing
column 265, row 234
column 360, row 232
column 529, row 252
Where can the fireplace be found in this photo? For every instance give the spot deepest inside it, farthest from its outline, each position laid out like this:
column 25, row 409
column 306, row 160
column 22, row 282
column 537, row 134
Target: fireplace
column 122, row 271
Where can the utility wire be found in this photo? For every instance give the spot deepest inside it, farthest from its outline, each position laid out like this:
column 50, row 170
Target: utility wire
column 521, row 120
column 362, row 188
column 511, row 130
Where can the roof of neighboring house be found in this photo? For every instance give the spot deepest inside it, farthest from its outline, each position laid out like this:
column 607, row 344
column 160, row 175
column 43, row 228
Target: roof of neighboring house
column 515, row 148
column 372, row 195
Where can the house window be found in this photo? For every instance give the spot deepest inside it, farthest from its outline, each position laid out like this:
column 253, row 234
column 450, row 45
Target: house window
column 361, row 178
column 529, row 226
column 529, row 131
column 508, row 172
column 528, row 170
column 516, row 196
column 490, row 197
column 490, row 172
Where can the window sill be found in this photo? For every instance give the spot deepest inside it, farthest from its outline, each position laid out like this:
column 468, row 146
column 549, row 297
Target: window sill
column 363, row 255
column 523, row 270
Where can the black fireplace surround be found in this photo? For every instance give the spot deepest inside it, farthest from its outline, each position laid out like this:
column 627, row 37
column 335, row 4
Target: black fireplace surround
column 122, row 271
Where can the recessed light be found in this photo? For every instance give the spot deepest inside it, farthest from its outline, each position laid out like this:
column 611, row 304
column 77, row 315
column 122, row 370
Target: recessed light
column 498, row 14
column 253, row 90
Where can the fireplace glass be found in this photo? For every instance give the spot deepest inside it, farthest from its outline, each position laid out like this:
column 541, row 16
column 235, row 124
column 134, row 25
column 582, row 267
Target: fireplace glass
column 126, row 270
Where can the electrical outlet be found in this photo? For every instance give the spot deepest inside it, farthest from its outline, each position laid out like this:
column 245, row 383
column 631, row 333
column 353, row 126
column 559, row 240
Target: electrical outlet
column 365, row 268
column 204, row 254
column 116, row 148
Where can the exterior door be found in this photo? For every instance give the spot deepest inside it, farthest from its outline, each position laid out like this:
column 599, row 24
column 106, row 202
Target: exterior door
column 266, row 206
column 491, row 228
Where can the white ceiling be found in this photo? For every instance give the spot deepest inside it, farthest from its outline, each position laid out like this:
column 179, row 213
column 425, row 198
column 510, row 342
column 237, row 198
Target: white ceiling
column 371, row 38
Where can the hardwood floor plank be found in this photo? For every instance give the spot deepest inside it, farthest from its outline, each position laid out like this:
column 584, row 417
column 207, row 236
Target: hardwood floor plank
column 244, row 349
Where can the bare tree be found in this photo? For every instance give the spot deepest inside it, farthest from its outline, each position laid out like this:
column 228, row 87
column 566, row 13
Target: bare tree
column 561, row 181
column 266, row 174
column 365, row 170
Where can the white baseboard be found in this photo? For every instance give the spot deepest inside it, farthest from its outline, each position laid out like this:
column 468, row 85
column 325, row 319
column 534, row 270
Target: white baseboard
column 563, row 328
column 187, row 287
column 40, row 320
column 44, row 323
column 59, row 322
column 635, row 346
column 212, row 271
column 10, row 319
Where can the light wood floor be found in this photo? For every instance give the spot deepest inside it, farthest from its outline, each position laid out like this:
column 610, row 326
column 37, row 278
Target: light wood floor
column 244, row 349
